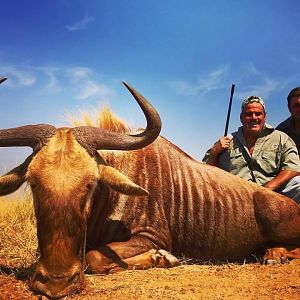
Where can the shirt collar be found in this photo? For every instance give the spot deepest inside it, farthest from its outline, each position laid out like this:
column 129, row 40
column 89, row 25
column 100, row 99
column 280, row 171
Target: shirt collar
column 265, row 132
column 267, row 129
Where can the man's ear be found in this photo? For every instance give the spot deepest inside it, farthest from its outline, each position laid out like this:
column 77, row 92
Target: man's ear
column 12, row 180
column 119, row 182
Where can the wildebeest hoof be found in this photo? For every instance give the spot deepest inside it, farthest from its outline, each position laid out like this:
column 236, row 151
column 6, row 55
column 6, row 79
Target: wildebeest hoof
column 282, row 260
column 163, row 259
column 271, row 262
column 275, row 256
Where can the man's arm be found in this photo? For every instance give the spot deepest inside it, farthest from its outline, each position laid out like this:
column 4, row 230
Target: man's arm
column 221, row 145
column 290, row 164
column 280, row 180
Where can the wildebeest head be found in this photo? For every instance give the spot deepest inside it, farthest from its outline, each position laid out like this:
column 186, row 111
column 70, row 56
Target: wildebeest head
column 63, row 172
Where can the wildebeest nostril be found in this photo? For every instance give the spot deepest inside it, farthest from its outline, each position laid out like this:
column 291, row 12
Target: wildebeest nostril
column 74, row 279
column 41, row 278
column 57, row 276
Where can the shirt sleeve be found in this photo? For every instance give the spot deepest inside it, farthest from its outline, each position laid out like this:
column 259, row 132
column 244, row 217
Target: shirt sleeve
column 206, row 156
column 223, row 160
column 289, row 158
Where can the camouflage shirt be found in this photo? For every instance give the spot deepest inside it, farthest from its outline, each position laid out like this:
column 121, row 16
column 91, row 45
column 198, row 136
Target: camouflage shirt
column 273, row 151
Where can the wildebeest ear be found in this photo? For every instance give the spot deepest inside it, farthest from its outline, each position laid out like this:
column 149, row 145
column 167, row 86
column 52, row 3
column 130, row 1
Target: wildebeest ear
column 119, row 182
column 12, row 180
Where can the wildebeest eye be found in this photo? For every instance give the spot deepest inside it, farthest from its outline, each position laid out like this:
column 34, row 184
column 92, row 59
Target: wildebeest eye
column 82, row 205
column 33, row 185
column 41, row 278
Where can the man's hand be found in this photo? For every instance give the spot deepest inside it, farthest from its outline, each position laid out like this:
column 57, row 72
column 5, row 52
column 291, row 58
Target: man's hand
column 221, row 145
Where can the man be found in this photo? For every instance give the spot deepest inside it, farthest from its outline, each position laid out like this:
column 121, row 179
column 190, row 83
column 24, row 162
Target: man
column 259, row 153
column 291, row 126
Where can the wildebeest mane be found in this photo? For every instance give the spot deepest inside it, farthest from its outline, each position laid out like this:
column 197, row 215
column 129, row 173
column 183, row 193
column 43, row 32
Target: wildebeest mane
column 105, row 119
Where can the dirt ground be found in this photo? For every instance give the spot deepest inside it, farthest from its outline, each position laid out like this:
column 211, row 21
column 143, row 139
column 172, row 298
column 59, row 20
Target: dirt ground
column 227, row 281
column 247, row 281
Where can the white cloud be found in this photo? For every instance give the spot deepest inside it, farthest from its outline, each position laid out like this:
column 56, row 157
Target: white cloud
column 52, row 84
column 81, row 24
column 248, row 78
column 90, row 89
column 80, row 73
column 18, row 77
column 264, row 89
column 254, row 82
column 85, row 86
column 48, row 80
column 204, row 84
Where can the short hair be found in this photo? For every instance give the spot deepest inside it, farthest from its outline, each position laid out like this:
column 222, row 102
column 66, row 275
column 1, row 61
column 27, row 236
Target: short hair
column 294, row 92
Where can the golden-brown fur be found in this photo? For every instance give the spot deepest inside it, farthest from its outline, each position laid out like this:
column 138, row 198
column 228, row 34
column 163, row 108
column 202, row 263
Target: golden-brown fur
column 105, row 119
column 192, row 209
column 57, row 162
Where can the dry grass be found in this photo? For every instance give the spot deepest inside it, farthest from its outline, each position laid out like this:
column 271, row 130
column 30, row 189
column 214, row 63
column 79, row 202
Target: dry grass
column 18, row 246
column 18, row 242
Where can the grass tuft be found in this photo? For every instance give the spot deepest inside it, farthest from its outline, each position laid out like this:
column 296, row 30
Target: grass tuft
column 18, row 242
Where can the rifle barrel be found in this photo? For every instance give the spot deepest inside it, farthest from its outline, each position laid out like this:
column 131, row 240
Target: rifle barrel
column 229, row 109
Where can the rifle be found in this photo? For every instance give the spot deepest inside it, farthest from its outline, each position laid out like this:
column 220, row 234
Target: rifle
column 229, row 109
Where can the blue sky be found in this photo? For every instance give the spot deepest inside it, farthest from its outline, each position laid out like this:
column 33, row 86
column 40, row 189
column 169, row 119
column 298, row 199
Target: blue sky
column 63, row 57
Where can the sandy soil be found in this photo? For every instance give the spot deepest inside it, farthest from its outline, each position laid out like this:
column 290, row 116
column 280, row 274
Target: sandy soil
column 228, row 281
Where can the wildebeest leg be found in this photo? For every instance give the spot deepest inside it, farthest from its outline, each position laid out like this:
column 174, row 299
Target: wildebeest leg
column 120, row 256
column 279, row 220
column 280, row 254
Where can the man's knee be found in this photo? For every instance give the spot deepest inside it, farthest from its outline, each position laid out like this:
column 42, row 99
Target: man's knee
column 294, row 183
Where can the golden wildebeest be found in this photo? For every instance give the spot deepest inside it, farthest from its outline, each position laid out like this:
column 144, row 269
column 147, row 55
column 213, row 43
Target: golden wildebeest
column 132, row 209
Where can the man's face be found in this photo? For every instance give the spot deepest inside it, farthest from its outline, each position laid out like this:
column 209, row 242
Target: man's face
column 253, row 119
column 294, row 108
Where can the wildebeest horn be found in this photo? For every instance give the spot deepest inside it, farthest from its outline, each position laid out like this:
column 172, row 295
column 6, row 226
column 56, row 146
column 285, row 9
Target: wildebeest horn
column 33, row 136
column 93, row 138
column 2, row 79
